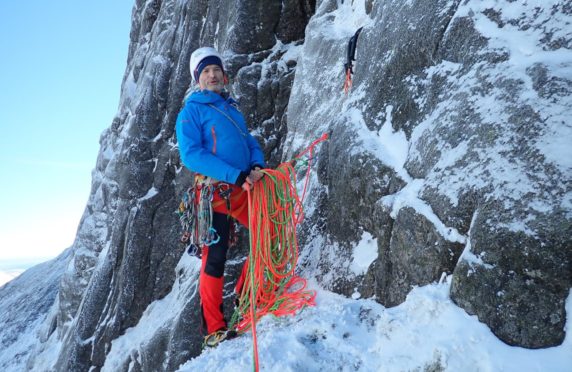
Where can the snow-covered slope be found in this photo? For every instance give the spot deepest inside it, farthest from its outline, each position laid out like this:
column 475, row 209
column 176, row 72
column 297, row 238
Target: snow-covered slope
column 11, row 268
column 6, row 276
column 24, row 304
column 426, row 333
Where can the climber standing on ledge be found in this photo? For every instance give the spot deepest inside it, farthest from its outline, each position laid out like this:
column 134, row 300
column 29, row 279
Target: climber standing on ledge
column 214, row 142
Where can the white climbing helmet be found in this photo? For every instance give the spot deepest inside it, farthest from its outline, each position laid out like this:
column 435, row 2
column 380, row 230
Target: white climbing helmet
column 209, row 56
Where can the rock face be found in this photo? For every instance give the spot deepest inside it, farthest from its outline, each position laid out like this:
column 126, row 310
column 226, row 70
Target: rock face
column 445, row 153
column 441, row 155
column 126, row 252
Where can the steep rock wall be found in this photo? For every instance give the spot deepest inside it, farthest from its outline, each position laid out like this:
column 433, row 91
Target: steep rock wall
column 126, row 252
column 443, row 154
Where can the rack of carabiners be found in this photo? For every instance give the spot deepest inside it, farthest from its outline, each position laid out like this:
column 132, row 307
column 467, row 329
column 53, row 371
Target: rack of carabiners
column 196, row 216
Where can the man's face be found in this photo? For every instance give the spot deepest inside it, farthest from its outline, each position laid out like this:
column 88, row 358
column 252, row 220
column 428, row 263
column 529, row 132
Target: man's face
column 212, row 78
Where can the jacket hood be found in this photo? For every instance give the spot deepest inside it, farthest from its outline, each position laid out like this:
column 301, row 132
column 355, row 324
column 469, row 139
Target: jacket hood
column 206, row 97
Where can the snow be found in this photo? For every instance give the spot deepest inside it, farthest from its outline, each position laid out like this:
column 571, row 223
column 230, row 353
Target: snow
column 12, row 268
column 6, row 276
column 24, row 303
column 388, row 145
column 345, row 20
column 427, row 330
column 409, row 197
column 507, row 177
column 555, row 146
column 158, row 315
column 352, row 334
column 526, row 49
column 364, row 254
column 394, row 142
column 129, row 88
column 292, row 51
column 524, row 45
column 341, row 334
column 471, row 258
column 150, row 194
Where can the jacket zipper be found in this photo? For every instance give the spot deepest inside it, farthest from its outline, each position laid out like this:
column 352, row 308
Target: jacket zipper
column 213, row 132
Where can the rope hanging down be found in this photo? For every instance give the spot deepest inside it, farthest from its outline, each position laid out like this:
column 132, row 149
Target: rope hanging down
column 272, row 286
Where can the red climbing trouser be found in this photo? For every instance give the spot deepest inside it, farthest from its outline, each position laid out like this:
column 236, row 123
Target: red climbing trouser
column 211, row 280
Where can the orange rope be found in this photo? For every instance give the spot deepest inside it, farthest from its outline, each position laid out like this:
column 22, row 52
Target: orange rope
column 274, row 211
column 310, row 150
column 252, row 299
column 274, row 252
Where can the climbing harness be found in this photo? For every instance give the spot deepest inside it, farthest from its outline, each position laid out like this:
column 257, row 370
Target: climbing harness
column 350, row 57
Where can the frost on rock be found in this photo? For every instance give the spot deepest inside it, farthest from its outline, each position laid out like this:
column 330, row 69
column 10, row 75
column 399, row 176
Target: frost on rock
column 458, row 109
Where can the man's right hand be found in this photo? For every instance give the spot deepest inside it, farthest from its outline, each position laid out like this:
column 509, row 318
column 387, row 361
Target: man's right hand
column 247, row 185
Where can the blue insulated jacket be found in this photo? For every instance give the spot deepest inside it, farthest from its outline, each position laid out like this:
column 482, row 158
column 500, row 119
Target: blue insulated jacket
column 213, row 138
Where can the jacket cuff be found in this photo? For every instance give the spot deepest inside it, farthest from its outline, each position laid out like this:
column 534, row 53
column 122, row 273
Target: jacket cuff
column 241, row 178
column 256, row 165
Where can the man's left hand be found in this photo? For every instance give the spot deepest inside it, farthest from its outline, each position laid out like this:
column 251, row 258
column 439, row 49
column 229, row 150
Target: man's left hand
column 255, row 175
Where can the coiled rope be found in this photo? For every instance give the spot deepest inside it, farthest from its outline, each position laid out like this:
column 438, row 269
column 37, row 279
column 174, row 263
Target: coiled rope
column 272, row 287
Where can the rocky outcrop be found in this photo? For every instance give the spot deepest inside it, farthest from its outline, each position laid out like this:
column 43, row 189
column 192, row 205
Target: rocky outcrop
column 476, row 191
column 521, row 285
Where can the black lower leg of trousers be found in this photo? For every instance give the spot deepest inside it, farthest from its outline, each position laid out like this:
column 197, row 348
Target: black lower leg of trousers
column 217, row 252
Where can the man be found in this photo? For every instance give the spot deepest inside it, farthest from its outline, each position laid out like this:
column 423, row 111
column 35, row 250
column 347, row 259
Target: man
column 214, row 142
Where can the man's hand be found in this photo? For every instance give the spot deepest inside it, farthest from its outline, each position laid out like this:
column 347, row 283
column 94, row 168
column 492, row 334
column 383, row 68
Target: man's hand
column 255, row 175
column 247, row 185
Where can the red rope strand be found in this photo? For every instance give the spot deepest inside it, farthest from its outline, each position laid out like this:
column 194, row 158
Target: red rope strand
column 274, row 211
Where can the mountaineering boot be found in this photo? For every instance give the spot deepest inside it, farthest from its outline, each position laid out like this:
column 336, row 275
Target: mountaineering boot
column 215, row 338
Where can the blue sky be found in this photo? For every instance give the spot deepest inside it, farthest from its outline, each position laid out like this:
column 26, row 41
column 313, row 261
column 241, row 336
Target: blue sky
column 61, row 66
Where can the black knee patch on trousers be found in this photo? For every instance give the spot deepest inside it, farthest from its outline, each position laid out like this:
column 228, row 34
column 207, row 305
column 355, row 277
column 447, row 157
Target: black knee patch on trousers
column 216, row 257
